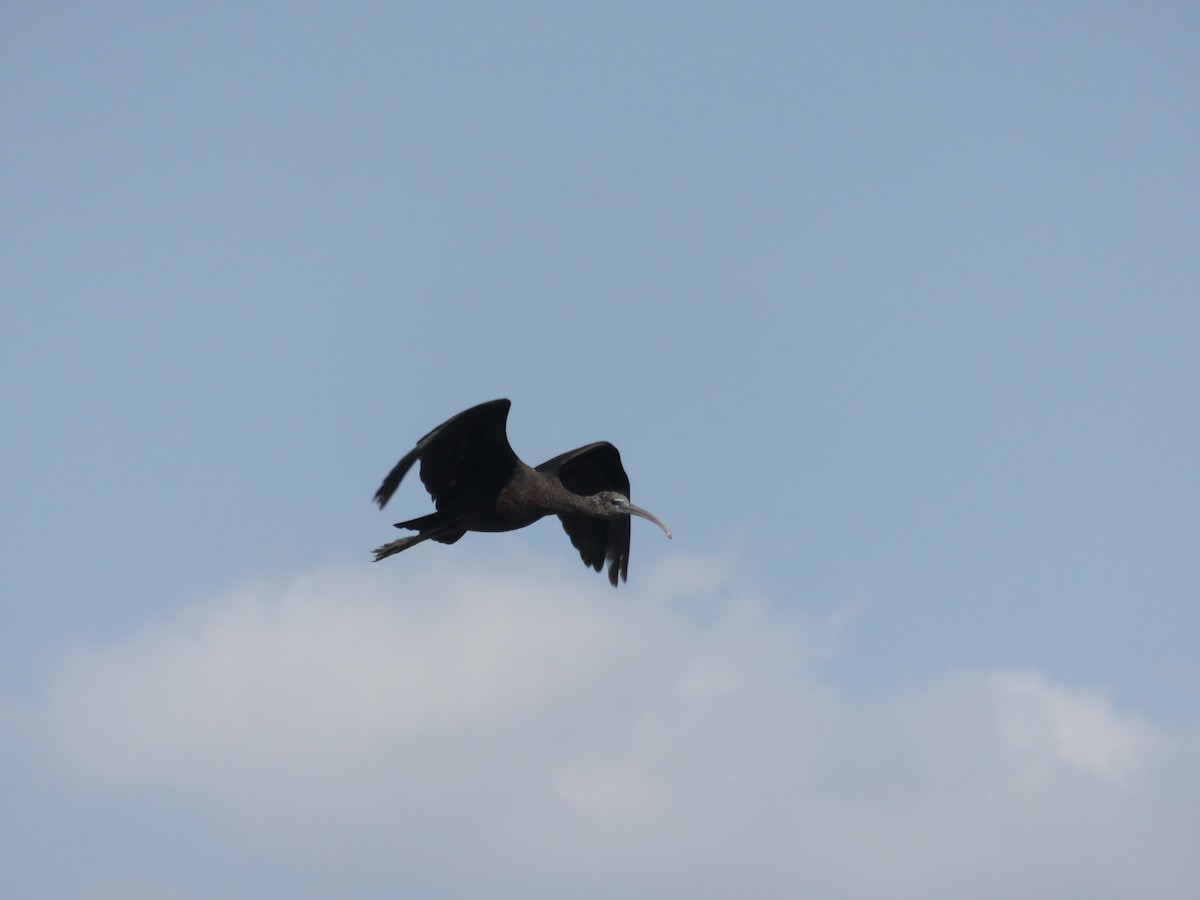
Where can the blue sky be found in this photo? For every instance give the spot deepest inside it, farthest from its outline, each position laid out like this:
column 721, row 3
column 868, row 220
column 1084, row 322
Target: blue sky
column 891, row 308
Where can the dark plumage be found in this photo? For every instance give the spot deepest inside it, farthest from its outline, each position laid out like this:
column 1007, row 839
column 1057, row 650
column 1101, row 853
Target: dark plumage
column 478, row 484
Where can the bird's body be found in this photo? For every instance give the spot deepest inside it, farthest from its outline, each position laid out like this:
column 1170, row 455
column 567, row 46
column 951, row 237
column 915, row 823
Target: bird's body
column 478, row 484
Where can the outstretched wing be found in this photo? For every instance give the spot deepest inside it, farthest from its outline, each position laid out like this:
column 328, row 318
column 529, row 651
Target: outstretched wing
column 465, row 454
column 589, row 470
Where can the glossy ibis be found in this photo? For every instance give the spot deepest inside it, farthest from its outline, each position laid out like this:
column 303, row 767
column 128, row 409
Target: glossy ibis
column 478, row 484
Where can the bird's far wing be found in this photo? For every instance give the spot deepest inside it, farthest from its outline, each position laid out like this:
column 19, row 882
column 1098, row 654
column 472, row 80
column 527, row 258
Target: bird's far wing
column 465, row 452
column 599, row 541
column 589, row 470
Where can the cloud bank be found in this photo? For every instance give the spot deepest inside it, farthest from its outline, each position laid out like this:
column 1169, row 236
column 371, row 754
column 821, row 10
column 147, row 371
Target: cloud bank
column 518, row 730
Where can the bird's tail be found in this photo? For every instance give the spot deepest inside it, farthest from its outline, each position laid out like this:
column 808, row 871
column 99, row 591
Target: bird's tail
column 423, row 523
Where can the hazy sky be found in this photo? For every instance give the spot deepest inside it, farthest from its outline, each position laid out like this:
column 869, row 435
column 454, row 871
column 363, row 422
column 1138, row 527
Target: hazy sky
column 893, row 310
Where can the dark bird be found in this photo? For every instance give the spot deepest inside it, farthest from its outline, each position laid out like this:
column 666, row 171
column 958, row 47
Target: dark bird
column 478, row 484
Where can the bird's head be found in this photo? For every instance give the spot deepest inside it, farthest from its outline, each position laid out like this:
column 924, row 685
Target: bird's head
column 613, row 504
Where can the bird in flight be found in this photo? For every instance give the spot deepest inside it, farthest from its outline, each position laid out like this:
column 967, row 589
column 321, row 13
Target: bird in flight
column 478, row 484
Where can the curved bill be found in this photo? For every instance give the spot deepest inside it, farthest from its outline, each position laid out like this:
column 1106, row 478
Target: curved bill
column 635, row 510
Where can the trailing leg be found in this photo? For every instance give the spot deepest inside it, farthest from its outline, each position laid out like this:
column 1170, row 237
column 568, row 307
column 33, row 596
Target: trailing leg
column 401, row 544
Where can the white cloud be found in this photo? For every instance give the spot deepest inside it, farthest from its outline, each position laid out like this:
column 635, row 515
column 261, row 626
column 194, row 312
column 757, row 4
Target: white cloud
column 528, row 729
